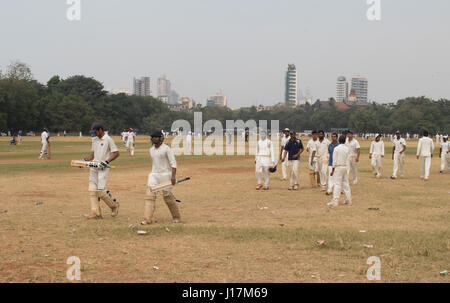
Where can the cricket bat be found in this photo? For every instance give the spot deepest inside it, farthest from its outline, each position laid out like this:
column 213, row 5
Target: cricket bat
column 88, row 164
column 165, row 185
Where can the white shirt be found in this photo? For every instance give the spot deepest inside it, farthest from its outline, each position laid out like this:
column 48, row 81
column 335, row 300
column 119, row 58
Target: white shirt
column 425, row 147
column 284, row 140
column 163, row 159
column 322, row 147
column 103, row 147
column 377, row 148
column 352, row 146
column 310, row 147
column 189, row 138
column 340, row 155
column 264, row 152
column 445, row 147
column 44, row 137
column 130, row 137
column 398, row 145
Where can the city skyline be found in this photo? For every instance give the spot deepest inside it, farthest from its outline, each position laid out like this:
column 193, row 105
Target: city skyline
column 230, row 45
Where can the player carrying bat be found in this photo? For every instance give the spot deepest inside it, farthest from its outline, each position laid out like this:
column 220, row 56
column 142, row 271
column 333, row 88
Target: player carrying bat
column 104, row 151
column 164, row 168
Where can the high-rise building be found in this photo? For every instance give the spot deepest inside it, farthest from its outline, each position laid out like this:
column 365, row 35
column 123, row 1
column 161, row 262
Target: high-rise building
column 173, row 97
column 359, row 86
column 291, row 88
column 341, row 89
column 141, row 87
column 164, row 89
column 217, row 100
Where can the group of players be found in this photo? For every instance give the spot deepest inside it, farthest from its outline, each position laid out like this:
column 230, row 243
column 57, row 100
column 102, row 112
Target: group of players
column 331, row 163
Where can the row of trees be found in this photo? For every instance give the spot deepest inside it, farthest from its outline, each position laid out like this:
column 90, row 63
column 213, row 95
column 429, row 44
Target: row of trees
column 72, row 104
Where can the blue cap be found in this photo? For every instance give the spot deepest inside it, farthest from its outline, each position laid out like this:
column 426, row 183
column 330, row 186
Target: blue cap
column 96, row 126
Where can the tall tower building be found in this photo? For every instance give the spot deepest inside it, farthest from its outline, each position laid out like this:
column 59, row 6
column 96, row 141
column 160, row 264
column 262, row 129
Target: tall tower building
column 291, row 89
column 359, row 86
column 141, row 87
column 164, row 89
column 217, row 100
column 341, row 89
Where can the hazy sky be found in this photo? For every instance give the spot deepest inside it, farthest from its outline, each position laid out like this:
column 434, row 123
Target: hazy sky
column 241, row 47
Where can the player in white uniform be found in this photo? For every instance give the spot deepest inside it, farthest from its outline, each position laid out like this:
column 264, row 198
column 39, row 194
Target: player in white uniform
column 398, row 155
column 354, row 150
column 264, row 159
column 104, row 151
column 339, row 174
column 131, row 138
column 425, row 150
column 164, row 169
column 284, row 139
column 376, row 155
column 124, row 135
column 322, row 158
column 45, row 137
column 444, row 153
column 311, row 148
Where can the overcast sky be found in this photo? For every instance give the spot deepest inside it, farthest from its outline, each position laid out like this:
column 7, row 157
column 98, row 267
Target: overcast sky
column 241, row 47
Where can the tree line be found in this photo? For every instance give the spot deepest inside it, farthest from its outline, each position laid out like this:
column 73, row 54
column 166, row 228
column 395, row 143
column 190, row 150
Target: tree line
column 72, row 104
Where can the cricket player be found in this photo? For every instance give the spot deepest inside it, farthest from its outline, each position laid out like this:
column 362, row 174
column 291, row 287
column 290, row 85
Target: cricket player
column 45, row 141
column 321, row 153
column 444, row 153
column 124, row 135
column 376, row 155
column 425, row 150
column 19, row 137
column 264, row 159
column 339, row 174
column 164, row 168
column 354, row 150
column 293, row 148
column 334, row 143
column 104, row 151
column 398, row 155
column 131, row 138
column 284, row 140
column 311, row 148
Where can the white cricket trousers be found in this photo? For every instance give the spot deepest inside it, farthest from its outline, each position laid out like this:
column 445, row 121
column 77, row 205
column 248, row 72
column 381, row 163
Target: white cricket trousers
column 330, row 180
column 376, row 163
column 425, row 163
column 44, row 150
column 323, row 166
column 399, row 161
column 352, row 166
column 260, row 171
column 445, row 158
column 293, row 172
column 340, row 179
column 284, row 166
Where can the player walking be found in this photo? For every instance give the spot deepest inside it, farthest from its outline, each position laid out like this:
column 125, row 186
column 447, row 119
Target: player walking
column 354, row 150
column 264, row 159
column 311, row 148
column 322, row 158
column 339, row 174
column 398, row 155
column 284, row 140
column 293, row 149
column 164, row 168
column 444, row 153
column 425, row 150
column 45, row 141
column 104, row 151
column 131, row 138
column 376, row 155
column 334, row 143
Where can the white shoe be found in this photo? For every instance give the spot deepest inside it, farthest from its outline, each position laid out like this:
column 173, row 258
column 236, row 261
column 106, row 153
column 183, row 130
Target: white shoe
column 332, row 204
column 348, row 202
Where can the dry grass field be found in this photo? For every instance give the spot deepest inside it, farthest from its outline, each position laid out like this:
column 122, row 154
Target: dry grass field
column 230, row 231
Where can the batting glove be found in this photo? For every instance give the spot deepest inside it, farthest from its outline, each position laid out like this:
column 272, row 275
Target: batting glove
column 104, row 164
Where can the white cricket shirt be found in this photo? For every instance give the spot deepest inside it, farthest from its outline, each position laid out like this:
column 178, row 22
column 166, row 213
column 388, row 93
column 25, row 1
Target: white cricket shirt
column 398, row 145
column 340, row 155
column 377, row 148
column 425, row 147
column 103, row 147
column 163, row 159
column 352, row 146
